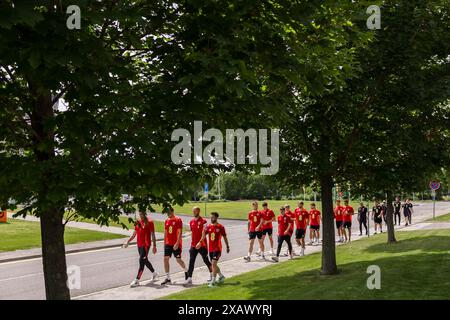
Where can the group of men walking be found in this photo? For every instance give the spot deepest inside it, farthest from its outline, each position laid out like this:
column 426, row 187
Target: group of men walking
column 206, row 238
column 379, row 213
column 260, row 226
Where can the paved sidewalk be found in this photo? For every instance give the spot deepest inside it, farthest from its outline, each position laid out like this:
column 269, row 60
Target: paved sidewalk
column 147, row 290
column 83, row 225
column 71, row 248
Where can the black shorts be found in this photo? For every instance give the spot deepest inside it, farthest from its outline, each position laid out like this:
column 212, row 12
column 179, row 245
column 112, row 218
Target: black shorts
column 267, row 231
column 378, row 220
column 300, row 233
column 406, row 214
column 168, row 251
column 314, row 227
column 347, row 224
column 215, row 255
column 253, row 234
column 338, row 224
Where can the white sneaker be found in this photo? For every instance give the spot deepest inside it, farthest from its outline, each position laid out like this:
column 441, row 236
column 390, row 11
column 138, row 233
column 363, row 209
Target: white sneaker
column 221, row 279
column 154, row 276
column 135, row 283
column 209, row 280
column 258, row 253
column 188, row 281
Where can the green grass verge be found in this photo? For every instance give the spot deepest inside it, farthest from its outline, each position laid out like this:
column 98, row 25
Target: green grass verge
column 18, row 234
column 159, row 225
column 240, row 209
column 443, row 218
column 416, row 267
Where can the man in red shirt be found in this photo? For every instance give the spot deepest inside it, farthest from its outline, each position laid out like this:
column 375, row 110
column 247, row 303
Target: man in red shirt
column 285, row 225
column 314, row 224
column 255, row 222
column 339, row 216
column 348, row 216
column 197, row 225
column 215, row 232
column 173, row 232
column 301, row 222
column 267, row 228
column 144, row 230
column 291, row 215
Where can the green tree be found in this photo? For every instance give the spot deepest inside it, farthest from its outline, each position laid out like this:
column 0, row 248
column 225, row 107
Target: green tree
column 387, row 126
column 87, row 114
column 403, row 140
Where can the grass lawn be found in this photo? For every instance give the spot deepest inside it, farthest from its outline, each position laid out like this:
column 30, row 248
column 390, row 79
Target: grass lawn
column 416, row 267
column 159, row 225
column 443, row 218
column 18, row 234
column 240, row 209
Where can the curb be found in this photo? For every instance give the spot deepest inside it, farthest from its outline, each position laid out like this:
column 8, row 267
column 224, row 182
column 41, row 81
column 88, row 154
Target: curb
column 36, row 256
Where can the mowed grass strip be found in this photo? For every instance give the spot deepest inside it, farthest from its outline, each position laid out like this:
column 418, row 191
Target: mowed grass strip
column 240, row 209
column 443, row 218
column 18, row 234
column 159, row 225
column 416, row 267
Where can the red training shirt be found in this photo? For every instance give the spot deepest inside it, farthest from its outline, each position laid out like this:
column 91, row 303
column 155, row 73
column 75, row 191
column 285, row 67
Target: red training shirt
column 171, row 226
column 348, row 213
column 143, row 233
column 314, row 216
column 255, row 219
column 301, row 217
column 339, row 213
column 215, row 234
column 283, row 223
column 291, row 215
column 267, row 215
column 197, row 226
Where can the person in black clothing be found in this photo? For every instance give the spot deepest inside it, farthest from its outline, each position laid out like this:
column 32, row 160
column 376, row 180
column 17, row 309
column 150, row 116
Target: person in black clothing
column 377, row 212
column 407, row 211
column 397, row 208
column 362, row 218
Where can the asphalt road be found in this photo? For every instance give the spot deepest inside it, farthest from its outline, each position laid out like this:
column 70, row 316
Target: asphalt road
column 109, row 268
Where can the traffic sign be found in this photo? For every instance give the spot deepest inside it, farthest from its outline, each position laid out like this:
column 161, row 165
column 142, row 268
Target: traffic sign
column 206, row 187
column 434, row 185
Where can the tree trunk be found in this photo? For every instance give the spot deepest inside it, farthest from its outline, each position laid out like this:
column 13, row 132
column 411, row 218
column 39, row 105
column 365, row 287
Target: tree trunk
column 390, row 219
column 54, row 255
column 328, row 237
column 51, row 214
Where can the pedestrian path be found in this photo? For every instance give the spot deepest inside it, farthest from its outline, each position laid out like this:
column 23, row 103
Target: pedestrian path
column 35, row 253
column 83, row 225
